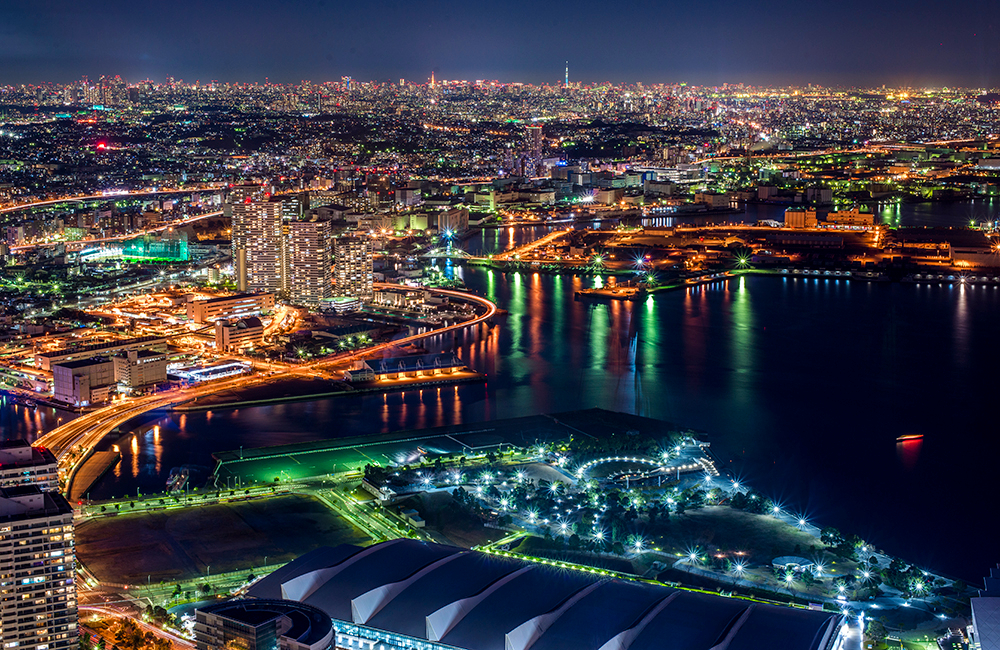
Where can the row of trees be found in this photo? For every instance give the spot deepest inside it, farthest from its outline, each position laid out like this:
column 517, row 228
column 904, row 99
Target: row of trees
column 126, row 634
column 629, row 443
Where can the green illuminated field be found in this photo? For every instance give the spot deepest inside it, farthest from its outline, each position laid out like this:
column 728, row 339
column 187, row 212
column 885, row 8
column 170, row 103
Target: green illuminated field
column 182, row 544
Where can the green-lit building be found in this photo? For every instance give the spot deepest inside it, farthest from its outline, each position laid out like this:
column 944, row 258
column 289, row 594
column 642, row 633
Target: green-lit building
column 170, row 246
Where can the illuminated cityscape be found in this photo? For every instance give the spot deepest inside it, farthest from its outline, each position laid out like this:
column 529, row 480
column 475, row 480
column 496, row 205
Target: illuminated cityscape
column 370, row 328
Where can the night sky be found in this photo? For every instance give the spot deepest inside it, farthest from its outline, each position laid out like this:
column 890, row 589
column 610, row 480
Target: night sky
column 842, row 42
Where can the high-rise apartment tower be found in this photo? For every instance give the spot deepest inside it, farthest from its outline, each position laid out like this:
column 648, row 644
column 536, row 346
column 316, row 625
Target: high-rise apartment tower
column 37, row 566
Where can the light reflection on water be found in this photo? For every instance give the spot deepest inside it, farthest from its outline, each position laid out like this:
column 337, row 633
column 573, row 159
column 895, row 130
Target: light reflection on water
column 803, row 383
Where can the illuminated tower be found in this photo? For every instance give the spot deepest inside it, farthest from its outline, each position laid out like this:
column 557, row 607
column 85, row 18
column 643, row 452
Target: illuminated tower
column 309, row 278
column 353, row 267
column 535, row 141
column 566, row 84
column 258, row 256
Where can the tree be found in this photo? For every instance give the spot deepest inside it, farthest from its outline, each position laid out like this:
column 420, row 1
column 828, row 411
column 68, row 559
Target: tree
column 831, row 536
column 206, row 588
column 876, row 630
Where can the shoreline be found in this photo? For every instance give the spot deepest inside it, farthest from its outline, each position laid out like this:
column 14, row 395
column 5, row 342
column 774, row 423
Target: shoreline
column 467, row 378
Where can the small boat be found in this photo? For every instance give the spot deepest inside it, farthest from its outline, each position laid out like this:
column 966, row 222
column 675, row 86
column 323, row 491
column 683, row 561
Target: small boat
column 910, row 436
column 177, row 480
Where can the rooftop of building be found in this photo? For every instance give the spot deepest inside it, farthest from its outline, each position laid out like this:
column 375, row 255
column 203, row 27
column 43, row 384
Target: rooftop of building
column 309, row 625
column 82, row 363
column 18, row 453
column 102, row 346
column 249, row 322
column 12, row 500
column 238, row 296
column 476, row 601
column 416, row 362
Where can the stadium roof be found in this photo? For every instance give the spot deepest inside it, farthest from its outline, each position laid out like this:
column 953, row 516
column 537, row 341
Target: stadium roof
column 476, row 601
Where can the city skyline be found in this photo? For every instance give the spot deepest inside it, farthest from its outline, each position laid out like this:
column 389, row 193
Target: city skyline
column 455, row 326
column 856, row 44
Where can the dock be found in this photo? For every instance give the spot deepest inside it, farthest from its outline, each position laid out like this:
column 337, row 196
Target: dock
column 93, row 469
column 613, row 293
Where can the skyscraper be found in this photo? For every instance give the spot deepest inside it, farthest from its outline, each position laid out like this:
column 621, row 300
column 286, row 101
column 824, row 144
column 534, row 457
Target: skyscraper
column 353, row 267
column 535, row 142
column 258, row 256
column 37, row 589
column 309, row 277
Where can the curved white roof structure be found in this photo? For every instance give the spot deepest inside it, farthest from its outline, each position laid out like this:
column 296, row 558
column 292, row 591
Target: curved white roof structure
column 448, row 596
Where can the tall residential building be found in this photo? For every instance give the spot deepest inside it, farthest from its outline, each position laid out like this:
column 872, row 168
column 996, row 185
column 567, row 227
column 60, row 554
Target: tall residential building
column 22, row 464
column 293, row 206
column 258, row 256
column 37, row 590
column 310, row 280
column 353, row 267
column 535, row 140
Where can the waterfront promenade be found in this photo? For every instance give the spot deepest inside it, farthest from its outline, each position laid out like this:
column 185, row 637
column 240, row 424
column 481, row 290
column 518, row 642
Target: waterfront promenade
column 74, row 443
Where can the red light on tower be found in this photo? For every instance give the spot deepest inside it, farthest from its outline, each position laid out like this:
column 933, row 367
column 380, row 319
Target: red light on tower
column 101, row 145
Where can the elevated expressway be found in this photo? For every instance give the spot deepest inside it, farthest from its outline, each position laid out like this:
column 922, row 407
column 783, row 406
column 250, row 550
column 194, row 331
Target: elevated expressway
column 74, row 442
column 111, row 196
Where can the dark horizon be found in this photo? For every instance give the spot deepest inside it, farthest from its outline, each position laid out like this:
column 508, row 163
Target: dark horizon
column 852, row 43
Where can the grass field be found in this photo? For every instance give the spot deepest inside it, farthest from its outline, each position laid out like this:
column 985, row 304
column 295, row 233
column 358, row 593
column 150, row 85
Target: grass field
column 449, row 522
column 718, row 528
column 182, row 544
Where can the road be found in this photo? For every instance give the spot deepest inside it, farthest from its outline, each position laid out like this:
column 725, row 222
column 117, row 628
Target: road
column 110, row 197
column 74, row 441
column 87, row 242
column 515, row 253
column 107, row 610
